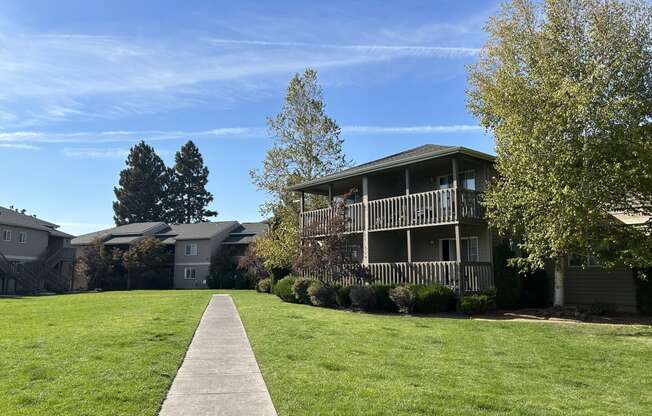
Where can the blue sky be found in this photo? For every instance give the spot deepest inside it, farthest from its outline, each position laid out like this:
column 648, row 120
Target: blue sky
column 81, row 82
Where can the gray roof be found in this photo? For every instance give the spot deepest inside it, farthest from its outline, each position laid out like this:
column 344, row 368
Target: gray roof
column 137, row 228
column 201, row 230
column 417, row 154
column 251, row 228
column 239, row 239
column 120, row 241
column 12, row 217
column 167, row 233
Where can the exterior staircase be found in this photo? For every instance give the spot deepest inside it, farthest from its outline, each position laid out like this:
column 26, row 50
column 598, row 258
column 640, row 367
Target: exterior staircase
column 40, row 274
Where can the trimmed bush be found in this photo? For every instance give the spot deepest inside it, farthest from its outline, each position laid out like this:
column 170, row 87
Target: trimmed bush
column 475, row 304
column 300, row 289
column 322, row 295
column 283, row 289
column 343, row 297
column 363, row 297
column 433, row 298
column 264, row 285
column 383, row 301
column 403, row 297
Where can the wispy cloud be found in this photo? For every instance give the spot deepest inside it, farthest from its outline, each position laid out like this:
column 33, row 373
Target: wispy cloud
column 22, row 146
column 26, row 139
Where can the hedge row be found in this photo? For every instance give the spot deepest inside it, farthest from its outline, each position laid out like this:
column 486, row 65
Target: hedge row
column 425, row 299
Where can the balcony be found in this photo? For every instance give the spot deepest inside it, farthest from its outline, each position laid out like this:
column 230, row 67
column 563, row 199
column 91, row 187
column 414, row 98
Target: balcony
column 478, row 276
column 405, row 211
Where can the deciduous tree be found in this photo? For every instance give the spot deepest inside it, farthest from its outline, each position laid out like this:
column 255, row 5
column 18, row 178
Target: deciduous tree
column 565, row 87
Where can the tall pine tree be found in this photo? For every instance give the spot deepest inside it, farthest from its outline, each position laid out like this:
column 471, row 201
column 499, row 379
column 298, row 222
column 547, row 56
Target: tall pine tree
column 188, row 197
column 141, row 194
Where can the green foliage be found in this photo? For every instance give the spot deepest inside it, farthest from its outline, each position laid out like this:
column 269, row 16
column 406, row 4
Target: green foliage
column 148, row 265
column 343, row 297
column 506, row 279
column 283, row 289
column 224, row 273
column 322, row 295
column 264, row 285
column 564, row 87
column 383, row 301
column 475, row 304
column 362, row 297
column 101, row 267
column 644, row 292
column 403, row 296
column 187, row 196
column 300, row 289
column 141, row 194
column 535, row 289
column 433, row 298
column 307, row 145
column 279, row 248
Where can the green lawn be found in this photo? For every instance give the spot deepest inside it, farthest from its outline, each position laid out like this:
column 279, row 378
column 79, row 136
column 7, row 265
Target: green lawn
column 116, row 353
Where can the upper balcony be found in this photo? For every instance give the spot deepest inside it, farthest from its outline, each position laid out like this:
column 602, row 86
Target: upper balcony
column 407, row 211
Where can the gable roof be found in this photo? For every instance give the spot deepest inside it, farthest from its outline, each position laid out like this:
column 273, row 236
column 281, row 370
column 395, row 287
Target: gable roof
column 417, row 154
column 246, row 233
column 15, row 218
column 135, row 229
column 201, row 230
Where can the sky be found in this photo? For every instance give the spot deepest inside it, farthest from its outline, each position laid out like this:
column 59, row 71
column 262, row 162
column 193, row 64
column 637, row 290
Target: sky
column 83, row 81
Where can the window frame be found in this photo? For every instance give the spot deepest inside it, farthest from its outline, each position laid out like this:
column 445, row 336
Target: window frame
column 6, row 233
column 449, row 240
column 188, row 250
column 22, row 237
column 460, row 182
column 193, row 273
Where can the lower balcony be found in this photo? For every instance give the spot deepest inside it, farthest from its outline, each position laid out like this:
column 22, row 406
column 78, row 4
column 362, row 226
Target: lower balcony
column 478, row 276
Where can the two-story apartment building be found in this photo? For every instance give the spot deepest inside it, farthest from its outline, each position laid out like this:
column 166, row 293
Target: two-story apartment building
column 415, row 217
column 34, row 254
column 191, row 245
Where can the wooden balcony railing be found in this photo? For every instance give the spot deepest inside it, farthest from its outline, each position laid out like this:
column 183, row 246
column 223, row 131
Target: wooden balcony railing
column 414, row 210
column 478, row 276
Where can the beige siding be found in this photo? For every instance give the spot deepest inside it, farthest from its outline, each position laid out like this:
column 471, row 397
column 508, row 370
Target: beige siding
column 584, row 287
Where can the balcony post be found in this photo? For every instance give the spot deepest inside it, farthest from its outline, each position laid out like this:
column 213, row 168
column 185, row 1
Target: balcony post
column 365, row 230
column 302, row 202
column 458, row 231
column 330, row 195
column 408, row 234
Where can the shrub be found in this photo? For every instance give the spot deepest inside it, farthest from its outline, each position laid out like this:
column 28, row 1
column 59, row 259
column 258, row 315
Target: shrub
column 383, row 300
column 343, row 297
column 322, row 295
column 506, row 279
column 403, row 297
column 300, row 289
column 283, row 289
column 363, row 297
column 433, row 298
column 475, row 304
column 643, row 281
column 264, row 285
column 600, row 309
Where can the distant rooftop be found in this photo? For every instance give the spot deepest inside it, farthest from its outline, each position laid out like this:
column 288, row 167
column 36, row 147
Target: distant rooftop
column 18, row 219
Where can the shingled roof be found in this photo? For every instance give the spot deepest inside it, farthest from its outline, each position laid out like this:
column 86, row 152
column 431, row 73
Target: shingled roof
column 17, row 219
column 417, row 154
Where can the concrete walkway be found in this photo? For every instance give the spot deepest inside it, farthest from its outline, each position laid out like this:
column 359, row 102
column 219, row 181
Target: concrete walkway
column 219, row 375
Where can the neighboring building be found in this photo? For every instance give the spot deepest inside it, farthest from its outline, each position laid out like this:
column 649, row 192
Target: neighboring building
column 191, row 245
column 34, row 254
column 415, row 217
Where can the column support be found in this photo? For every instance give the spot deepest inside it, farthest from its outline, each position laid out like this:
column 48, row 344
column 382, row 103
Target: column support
column 408, row 233
column 330, row 195
column 458, row 231
column 365, row 231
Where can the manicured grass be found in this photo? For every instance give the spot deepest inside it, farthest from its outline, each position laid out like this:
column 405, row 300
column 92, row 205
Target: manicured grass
column 116, row 354
column 93, row 354
column 328, row 362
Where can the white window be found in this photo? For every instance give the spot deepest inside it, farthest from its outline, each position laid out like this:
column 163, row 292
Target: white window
column 6, row 235
column 191, row 249
column 470, row 249
column 466, row 180
column 22, row 237
column 189, row 273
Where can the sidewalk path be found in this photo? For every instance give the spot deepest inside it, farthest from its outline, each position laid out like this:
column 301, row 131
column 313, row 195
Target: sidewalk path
column 219, row 375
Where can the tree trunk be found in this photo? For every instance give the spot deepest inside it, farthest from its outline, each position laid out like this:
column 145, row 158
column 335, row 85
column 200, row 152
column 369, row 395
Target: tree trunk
column 560, row 273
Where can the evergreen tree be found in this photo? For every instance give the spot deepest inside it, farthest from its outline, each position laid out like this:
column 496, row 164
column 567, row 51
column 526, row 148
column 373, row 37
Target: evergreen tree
column 141, row 194
column 188, row 197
